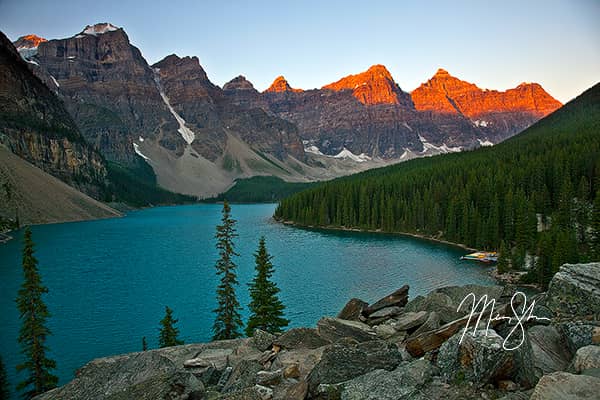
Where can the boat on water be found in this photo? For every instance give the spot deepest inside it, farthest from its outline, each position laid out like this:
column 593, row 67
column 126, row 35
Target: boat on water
column 482, row 256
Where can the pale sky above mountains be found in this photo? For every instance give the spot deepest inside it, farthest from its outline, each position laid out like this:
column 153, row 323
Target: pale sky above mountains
column 312, row 43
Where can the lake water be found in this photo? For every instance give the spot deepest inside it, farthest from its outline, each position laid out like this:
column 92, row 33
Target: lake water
column 109, row 280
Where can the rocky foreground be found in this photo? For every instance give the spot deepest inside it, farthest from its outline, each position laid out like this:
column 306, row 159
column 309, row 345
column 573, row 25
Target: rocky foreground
column 392, row 349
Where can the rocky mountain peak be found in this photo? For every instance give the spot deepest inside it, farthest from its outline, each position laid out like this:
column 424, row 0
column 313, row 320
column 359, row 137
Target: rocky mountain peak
column 444, row 93
column 189, row 66
column 239, row 83
column 441, row 72
column 279, row 85
column 99, row 29
column 28, row 42
column 374, row 86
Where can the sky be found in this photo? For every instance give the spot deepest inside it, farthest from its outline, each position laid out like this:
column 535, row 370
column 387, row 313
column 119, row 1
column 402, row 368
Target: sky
column 496, row 45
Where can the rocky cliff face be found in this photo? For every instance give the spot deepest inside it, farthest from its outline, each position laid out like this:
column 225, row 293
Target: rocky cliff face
column 109, row 90
column 369, row 114
column 497, row 114
column 36, row 126
column 393, row 349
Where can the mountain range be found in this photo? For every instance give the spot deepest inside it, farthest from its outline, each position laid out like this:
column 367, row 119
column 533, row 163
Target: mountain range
column 199, row 138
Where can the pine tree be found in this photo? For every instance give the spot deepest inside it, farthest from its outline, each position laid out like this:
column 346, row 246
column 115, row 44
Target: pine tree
column 34, row 332
column 228, row 321
column 4, row 392
column 503, row 258
column 144, row 344
column 266, row 308
column 168, row 331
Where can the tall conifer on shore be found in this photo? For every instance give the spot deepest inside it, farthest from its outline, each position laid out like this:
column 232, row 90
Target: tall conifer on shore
column 266, row 308
column 33, row 333
column 168, row 332
column 228, row 321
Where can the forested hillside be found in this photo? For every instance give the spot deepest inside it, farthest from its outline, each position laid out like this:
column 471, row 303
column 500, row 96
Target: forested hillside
column 536, row 194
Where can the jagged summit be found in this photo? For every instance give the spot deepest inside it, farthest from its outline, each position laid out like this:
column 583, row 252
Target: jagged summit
column 239, row 83
column 447, row 94
column 373, row 86
column 28, row 42
column 442, row 72
column 279, row 85
column 99, row 29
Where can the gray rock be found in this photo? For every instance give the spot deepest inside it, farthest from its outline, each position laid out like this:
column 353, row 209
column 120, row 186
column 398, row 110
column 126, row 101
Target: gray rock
column 595, row 372
column 432, row 323
column 446, row 300
column 480, row 359
column 297, row 391
column 334, row 329
column 157, row 369
column 587, row 357
column 245, row 394
column 242, row 376
column 579, row 334
column 575, row 290
column 301, row 338
column 352, row 309
column 264, row 392
column 269, row 378
column 304, row 359
column 403, row 382
column 398, row 298
column 387, row 312
column 550, row 350
column 262, row 340
column 566, row 386
column 384, row 331
column 341, row 362
column 516, row 396
column 410, row 320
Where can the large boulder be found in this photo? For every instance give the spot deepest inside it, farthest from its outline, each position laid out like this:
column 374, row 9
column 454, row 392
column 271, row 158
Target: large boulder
column 445, row 301
column 301, row 338
column 579, row 334
column 243, row 376
column 550, row 350
column 334, row 329
column 432, row 323
column 566, row 386
column 410, row 320
column 586, row 358
column 341, row 362
column 353, row 309
column 262, row 340
column 575, row 290
column 160, row 370
column 404, row 381
column 398, row 298
column 481, row 359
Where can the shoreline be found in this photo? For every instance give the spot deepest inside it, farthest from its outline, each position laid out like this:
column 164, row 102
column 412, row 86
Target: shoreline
column 509, row 278
column 379, row 231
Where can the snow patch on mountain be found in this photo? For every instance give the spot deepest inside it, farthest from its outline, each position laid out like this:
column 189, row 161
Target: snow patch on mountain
column 55, row 81
column 187, row 134
column 99, row 29
column 483, row 124
column 136, row 148
column 345, row 153
column 433, row 149
column 485, row 143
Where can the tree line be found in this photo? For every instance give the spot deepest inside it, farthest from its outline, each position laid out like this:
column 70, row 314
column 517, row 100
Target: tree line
column 266, row 309
column 534, row 197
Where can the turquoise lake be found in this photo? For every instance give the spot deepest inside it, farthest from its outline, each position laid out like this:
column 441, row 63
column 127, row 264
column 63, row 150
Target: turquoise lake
column 109, row 280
